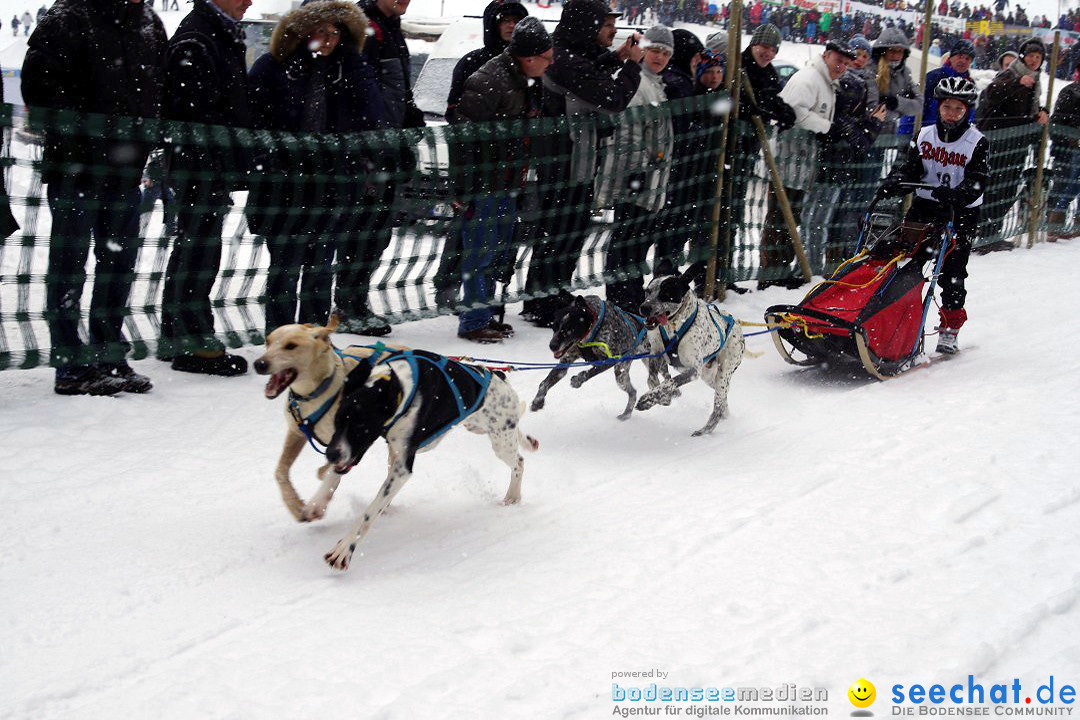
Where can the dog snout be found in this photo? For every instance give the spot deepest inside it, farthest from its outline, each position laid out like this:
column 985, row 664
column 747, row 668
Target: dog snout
column 262, row 366
column 646, row 310
column 333, row 454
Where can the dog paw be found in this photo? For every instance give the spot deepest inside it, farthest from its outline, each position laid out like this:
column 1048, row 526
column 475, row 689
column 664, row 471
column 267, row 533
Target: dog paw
column 339, row 557
column 700, row 433
column 537, row 404
column 578, row 380
column 626, row 415
column 646, row 402
column 311, row 513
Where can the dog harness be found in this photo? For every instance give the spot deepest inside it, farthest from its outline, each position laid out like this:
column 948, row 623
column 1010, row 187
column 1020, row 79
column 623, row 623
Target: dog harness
column 598, row 319
column 307, row 424
column 672, row 344
column 478, row 375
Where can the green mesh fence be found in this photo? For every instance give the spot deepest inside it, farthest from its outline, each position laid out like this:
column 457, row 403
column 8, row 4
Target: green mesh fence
column 226, row 233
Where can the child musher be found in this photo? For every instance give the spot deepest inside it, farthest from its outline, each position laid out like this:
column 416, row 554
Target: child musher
column 952, row 156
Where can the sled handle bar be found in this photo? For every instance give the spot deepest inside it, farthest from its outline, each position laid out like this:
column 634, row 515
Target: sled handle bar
column 873, row 204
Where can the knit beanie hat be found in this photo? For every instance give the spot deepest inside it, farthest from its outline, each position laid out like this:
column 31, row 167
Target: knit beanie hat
column 661, row 37
column 530, row 38
column 963, row 47
column 859, row 42
column 717, row 42
column 767, row 35
column 709, row 60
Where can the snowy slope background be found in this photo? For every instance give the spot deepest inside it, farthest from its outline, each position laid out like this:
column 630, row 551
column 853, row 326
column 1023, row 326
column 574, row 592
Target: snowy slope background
column 832, row 528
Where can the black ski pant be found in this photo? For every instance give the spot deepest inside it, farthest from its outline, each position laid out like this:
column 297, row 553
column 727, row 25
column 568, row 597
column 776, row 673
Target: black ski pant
column 109, row 218
column 954, row 268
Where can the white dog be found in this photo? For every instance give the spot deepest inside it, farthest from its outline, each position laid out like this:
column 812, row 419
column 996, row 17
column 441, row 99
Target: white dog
column 699, row 338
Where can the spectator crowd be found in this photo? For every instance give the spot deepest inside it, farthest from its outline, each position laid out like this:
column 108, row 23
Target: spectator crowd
column 337, row 69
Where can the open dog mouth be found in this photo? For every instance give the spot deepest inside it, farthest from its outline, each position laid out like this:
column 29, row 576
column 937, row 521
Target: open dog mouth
column 654, row 321
column 343, row 468
column 278, row 382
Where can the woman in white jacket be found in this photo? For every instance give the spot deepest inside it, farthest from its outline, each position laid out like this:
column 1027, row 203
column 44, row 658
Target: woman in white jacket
column 811, row 93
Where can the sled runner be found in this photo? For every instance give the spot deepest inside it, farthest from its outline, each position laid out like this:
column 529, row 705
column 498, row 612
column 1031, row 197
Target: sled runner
column 873, row 308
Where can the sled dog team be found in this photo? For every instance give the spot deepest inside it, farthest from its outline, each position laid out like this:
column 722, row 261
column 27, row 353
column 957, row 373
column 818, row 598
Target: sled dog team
column 347, row 399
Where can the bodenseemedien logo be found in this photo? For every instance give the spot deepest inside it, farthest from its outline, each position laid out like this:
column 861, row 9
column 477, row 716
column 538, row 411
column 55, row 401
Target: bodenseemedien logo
column 862, row 694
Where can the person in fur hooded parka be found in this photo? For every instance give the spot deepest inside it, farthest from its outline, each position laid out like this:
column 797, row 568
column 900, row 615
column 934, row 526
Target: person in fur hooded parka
column 313, row 80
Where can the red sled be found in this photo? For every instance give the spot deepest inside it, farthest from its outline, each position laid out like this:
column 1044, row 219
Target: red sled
column 873, row 309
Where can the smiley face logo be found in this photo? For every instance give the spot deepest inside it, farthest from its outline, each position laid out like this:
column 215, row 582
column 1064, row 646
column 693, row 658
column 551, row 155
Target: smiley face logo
column 862, row 693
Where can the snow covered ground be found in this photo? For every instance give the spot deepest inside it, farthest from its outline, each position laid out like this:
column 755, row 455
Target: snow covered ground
column 832, row 528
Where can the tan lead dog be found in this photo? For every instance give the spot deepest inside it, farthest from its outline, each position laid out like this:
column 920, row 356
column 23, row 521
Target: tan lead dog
column 302, row 360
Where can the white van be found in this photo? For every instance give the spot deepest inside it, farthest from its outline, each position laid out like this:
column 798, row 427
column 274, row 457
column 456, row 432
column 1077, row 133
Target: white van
column 459, row 38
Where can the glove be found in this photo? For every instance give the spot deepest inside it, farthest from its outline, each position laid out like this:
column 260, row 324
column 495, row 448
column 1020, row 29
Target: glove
column 890, row 187
column 749, row 107
column 890, row 102
column 414, row 117
column 946, row 195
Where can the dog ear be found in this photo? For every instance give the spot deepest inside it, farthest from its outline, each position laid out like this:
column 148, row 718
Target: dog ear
column 689, row 275
column 323, row 333
column 685, row 279
column 356, row 379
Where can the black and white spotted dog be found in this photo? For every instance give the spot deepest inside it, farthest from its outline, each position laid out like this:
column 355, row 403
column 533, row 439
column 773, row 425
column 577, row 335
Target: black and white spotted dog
column 701, row 339
column 413, row 399
column 591, row 329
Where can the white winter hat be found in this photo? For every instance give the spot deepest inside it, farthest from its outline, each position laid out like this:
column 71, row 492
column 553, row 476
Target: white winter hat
column 659, row 36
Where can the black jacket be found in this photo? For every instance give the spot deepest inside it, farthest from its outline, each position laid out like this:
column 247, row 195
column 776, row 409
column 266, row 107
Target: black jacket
column 765, row 82
column 295, row 90
column 852, row 133
column 96, row 56
column 1007, row 103
column 584, row 68
column 282, row 80
column 1066, row 115
column 474, row 60
column 497, row 91
column 207, row 83
column 387, row 53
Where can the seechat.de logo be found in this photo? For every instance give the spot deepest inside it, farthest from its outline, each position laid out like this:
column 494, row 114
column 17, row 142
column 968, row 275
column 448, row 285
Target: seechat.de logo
column 862, row 694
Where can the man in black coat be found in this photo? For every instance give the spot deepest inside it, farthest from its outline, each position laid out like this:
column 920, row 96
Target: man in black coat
column 104, row 57
column 492, row 173
column 207, row 83
column 500, row 18
column 388, row 55
column 586, row 79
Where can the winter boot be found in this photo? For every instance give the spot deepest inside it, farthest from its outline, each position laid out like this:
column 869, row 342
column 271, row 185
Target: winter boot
column 952, row 319
column 210, row 362
column 1055, row 225
column 364, row 322
column 946, row 341
column 86, row 381
column 133, row 381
